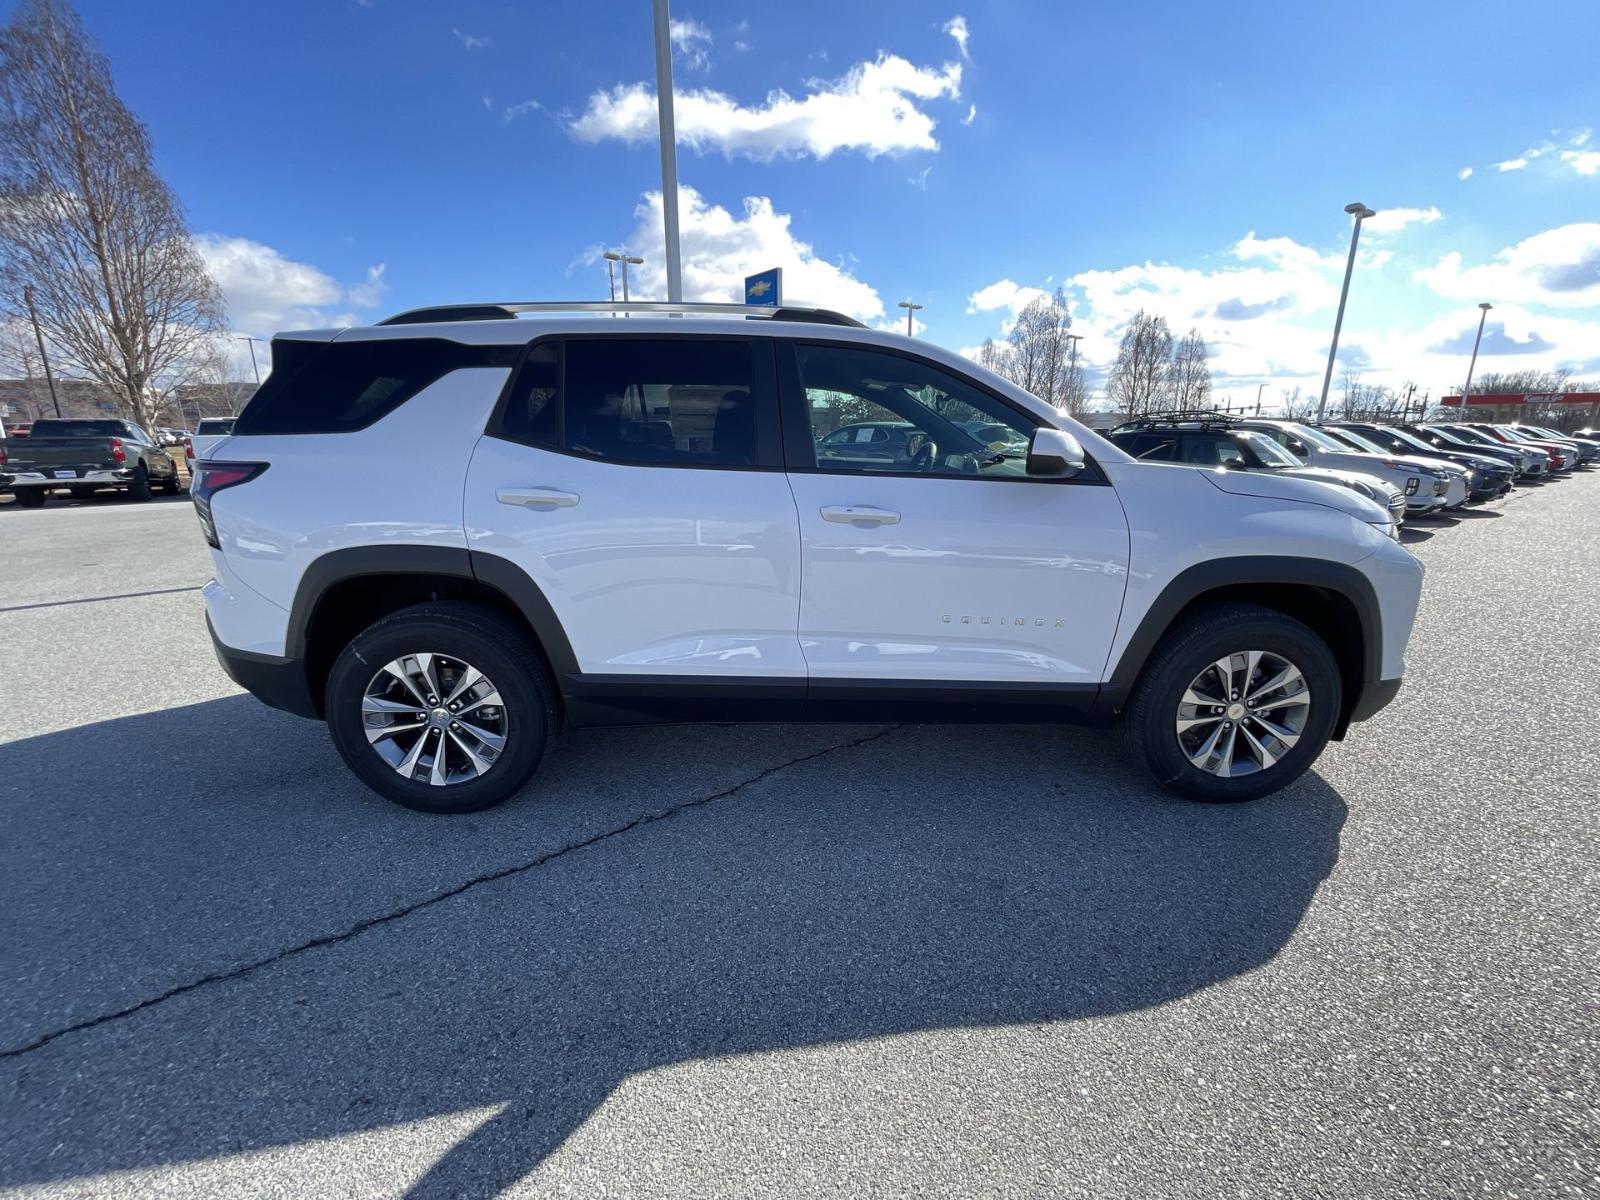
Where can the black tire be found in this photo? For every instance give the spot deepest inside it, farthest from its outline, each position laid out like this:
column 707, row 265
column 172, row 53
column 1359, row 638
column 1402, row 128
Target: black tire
column 468, row 633
column 81, row 493
column 139, row 486
column 32, row 497
column 172, row 485
column 1149, row 721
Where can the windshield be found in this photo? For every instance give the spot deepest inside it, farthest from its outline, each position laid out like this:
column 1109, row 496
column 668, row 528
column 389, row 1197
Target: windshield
column 1268, row 451
column 1317, row 438
column 1410, row 439
column 1360, row 442
column 215, row 425
column 1471, row 435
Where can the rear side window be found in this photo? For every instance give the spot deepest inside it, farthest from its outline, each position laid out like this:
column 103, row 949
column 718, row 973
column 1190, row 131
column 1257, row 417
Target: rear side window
column 336, row 387
column 667, row 402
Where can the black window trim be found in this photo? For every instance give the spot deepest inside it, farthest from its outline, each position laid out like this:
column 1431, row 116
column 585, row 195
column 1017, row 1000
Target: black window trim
column 800, row 451
column 512, row 351
column 763, row 395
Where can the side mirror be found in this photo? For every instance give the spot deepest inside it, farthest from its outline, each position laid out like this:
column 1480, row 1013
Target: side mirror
column 1053, row 454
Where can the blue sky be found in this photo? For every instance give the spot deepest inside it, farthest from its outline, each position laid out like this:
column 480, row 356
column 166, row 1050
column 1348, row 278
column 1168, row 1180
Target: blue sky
column 342, row 159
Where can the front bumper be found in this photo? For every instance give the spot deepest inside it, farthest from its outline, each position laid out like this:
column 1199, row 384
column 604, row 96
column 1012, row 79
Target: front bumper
column 276, row 682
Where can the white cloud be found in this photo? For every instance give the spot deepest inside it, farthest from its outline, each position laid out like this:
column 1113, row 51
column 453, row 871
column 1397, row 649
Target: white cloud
column 956, row 27
column 1584, row 162
column 1464, row 173
column 1393, row 220
column 1559, row 268
column 875, row 108
column 1512, row 164
column 469, row 42
column 692, row 41
column 513, row 111
column 920, row 179
column 719, row 249
column 266, row 292
column 972, row 115
column 1581, row 138
column 1003, row 294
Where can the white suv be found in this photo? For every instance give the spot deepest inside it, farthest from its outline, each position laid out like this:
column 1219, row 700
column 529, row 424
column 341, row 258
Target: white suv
column 450, row 533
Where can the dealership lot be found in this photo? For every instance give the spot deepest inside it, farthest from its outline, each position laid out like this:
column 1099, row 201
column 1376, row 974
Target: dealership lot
column 796, row 960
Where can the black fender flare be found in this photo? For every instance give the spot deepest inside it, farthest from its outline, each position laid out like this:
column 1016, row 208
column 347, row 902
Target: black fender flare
column 1195, row 582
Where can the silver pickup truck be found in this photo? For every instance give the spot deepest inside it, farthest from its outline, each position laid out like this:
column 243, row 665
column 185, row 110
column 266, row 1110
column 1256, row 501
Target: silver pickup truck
column 84, row 455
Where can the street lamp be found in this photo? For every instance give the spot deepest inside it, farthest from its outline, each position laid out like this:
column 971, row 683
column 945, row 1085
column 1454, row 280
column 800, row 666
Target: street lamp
column 1473, row 365
column 1259, row 389
column 613, row 257
column 910, row 308
column 1360, row 212
column 669, row 154
column 251, row 342
column 27, row 296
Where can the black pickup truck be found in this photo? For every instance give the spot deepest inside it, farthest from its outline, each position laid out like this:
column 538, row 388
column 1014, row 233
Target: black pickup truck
column 84, row 455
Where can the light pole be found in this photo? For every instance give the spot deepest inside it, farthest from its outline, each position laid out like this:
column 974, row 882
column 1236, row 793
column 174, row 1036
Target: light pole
column 1072, row 368
column 910, row 308
column 613, row 257
column 669, row 155
column 1259, row 389
column 251, row 342
column 27, row 296
column 1473, row 365
column 611, row 278
column 1360, row 212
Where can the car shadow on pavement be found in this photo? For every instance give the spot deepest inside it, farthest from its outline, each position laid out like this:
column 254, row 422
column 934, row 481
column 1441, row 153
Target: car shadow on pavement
column 309, row 962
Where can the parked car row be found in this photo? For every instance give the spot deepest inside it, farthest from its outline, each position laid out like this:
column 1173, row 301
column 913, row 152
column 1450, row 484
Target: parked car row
column 1412, row 470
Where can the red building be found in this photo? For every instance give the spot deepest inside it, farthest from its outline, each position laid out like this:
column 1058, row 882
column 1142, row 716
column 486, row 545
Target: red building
column 1567, row 411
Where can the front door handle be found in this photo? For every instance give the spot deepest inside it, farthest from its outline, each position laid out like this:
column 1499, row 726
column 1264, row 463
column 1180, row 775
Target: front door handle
column 859, row 514
column 537, row 497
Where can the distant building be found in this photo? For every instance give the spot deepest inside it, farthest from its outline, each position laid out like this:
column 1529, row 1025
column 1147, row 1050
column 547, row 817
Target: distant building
column 28, row 399
column 1561, row 410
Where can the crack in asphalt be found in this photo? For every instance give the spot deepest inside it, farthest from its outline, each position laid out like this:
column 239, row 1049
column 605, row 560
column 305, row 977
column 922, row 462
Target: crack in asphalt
column 98, row 599
column 642, row 821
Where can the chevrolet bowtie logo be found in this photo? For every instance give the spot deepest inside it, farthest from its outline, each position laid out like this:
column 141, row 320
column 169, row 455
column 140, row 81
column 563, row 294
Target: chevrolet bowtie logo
column 760, row 288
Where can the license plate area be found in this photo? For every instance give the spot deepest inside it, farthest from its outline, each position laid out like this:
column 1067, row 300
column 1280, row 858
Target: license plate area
column 65, row 474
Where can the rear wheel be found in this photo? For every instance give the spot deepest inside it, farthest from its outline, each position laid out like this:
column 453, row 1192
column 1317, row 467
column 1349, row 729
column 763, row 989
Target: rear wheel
column 441, row 708
column 139, row 486
column 32, row 497
column 1235, row 705
column 172, row 485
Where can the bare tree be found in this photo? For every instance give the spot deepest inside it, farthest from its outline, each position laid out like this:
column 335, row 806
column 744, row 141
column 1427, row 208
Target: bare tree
column 995, row 356
column 1140, row 380
column 1298, row 406
column 1040, row 354
column 19, row 359
column 1191, row 372
column 86, row 221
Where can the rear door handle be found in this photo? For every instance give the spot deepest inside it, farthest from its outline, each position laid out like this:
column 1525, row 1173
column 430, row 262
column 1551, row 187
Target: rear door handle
column 537, row 497
column 859, row 514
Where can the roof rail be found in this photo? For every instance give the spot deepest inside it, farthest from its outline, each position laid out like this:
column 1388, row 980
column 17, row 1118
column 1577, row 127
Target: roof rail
column 500, row 311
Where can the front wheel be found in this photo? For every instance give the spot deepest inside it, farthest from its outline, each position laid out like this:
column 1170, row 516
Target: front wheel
column 1234, row 705
column 442, row 708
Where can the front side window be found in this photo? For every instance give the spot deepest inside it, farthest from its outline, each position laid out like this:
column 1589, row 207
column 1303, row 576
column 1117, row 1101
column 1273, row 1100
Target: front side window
column 873, row 411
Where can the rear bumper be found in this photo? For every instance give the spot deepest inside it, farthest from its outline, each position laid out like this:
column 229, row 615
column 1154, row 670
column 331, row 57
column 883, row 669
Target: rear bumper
column 276, row 682
column 41, row 479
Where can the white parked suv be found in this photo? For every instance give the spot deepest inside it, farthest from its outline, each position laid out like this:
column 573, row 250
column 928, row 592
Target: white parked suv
column 1427, row 489
column 450, row 533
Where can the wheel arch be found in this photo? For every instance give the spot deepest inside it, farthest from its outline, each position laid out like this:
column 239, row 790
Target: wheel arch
column 1334, row 599
column 344, row 591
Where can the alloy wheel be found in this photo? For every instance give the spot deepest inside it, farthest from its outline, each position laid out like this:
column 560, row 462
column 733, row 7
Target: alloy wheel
column 1242, row 713
column 435, row 719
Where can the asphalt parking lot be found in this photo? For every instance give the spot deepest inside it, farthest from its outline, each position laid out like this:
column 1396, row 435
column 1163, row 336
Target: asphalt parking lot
column 784, row 961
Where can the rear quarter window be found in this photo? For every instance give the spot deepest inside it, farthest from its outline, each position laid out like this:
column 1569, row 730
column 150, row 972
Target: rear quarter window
column 338, row 387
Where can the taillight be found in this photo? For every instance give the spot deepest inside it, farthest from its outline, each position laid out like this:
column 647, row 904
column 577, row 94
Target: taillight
column 188, row 449
column 117, row 452
column 2, row 454
column 211, row 478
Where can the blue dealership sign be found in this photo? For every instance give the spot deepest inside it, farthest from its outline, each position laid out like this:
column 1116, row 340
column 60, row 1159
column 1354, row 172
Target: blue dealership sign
column 765, row 288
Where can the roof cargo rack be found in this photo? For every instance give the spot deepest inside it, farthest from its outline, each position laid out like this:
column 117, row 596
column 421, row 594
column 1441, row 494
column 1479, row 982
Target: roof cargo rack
column 1199, row 416
column 501, row 311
